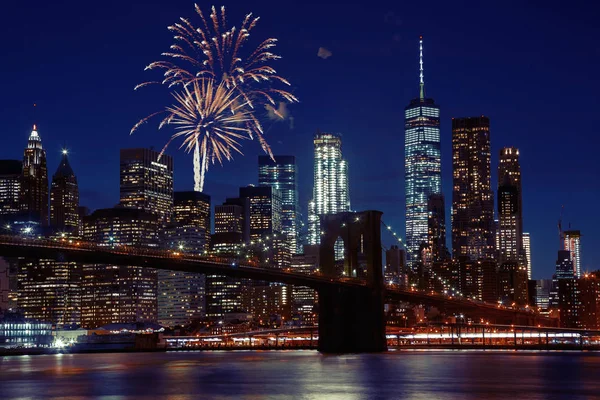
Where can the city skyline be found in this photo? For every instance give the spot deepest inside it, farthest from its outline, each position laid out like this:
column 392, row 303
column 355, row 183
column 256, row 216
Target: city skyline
column 540, row 221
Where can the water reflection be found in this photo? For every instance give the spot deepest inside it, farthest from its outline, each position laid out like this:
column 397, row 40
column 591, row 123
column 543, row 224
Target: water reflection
column 303, row 375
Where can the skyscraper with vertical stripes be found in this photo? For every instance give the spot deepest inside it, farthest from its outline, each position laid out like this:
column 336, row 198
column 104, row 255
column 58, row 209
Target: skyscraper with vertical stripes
column 422, row 162
column 330, row 191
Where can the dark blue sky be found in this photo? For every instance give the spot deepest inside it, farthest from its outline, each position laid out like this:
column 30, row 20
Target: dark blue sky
column 532, row 67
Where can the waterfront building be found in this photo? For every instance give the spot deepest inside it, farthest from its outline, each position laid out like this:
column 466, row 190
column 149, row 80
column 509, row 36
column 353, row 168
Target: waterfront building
column 119, row 294
column 49, row 290
column 17, row 331
column 181, row 294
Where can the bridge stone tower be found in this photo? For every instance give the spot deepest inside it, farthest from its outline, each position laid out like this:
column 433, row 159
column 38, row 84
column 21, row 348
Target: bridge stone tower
column 352, row 319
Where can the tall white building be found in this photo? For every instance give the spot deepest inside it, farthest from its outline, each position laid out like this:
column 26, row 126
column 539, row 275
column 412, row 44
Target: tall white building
column 573, row 244
column 330, row 191
column 422, row 162
column 527, row 249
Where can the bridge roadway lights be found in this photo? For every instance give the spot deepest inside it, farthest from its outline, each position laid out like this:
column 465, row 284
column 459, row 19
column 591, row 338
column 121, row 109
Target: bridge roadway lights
column 352, row 319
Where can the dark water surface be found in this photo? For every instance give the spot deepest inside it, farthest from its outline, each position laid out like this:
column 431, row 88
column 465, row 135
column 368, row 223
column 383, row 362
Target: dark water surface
column 419, row 375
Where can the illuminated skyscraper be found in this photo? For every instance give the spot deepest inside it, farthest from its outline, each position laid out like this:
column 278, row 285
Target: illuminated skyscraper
column 422, row 163
column 573, row 245
column 181, row 294
column 50, row 290
column 472, row 199
column 527, row 249
column 510, row 208
column 146, row 182
column 10, row 186
column 437, row 228
column 330, row 191
column 34, row 182
column 64, row 198
column 281, row 174
column 265, row 210
column 191, row 220
column 232, row 229
column 119, row 294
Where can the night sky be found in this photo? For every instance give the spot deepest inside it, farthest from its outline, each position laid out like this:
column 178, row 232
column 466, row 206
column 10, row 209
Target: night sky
column 533, row 69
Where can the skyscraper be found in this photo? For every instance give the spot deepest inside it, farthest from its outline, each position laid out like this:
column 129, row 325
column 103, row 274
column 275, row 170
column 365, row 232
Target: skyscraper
column 564, row 271
column 232, row 224
column 281, row 174
column 64, row 198
column 436, row 224
column 10, row 186
column 119, row 294
column 232, row 229
column 510, row 210
column 265, row 210
column 146, row 183
column 527, row 249
column 181, row 294
column 472, row 198
column 34, row 181
column 330, row 190
column 50, row 290
column 191, row 215
column 573, row 244
column 422, row 163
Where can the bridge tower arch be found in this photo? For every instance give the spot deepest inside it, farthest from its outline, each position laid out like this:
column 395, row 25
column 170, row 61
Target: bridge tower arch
column 352, row 319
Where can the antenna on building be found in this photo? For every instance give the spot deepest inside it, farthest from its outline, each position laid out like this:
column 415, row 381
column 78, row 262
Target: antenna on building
column 561, row 242
column 421, row 75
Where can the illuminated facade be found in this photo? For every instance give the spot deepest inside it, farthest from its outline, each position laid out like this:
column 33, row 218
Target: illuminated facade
column 573, row 244
column 119, row 294
column 146, row 183
column 34, row 181
column 473, row 228
column 265, row 210
column 510, row 208
column 304, row 298
column 564, row 271
column 330, row 192
column 191, row 219
column 180, row 297
column 436, row 227
column 422, row 163
column 181, row 294
column 10, row 186
column 232, row 229
column 223, row 295
column 64, row 198
column 232, row 223
column 50, row 291
column 527, row 250
column 281, row 174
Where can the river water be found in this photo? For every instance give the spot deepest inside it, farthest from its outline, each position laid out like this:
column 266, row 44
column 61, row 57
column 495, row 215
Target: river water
column 414, row 375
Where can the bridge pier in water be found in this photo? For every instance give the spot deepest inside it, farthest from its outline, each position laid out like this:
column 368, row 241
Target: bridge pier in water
column 352, row 319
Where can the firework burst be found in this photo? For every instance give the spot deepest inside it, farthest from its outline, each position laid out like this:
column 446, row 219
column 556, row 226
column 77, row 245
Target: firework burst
column 212, row 58
column 212, row 50
column 211, row 119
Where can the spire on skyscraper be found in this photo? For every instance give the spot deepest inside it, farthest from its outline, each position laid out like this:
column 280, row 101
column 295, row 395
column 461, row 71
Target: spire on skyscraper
column 421, row 75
